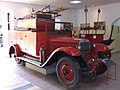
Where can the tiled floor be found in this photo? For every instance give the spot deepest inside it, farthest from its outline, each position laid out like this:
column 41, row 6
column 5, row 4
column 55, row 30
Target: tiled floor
column 16, row 77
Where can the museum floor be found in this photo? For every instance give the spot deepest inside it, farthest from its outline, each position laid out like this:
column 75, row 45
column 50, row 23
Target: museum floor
column 16, row 77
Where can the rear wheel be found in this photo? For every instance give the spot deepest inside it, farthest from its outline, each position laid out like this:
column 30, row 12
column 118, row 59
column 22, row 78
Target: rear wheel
column 11, row 51
column 68, row 71
column 19, row 61
column 17, row 52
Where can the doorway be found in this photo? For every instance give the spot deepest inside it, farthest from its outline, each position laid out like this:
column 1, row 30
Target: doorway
column 6, row 24
column 116, row 35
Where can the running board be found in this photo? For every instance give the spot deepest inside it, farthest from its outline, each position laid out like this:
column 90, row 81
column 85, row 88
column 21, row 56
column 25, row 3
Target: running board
column 35, row 65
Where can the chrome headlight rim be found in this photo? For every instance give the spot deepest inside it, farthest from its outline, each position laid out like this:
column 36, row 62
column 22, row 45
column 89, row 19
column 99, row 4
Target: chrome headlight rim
column 78, row 47
column 94, row 45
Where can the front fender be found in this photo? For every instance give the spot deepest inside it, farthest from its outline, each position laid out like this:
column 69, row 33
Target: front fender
column 101, row 48
column 69, row 50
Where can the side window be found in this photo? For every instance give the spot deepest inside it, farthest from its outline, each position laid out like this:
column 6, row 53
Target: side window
column 57, row 25
column 25, row 24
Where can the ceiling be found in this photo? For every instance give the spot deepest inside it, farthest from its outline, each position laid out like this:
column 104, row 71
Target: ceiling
column 66, row 4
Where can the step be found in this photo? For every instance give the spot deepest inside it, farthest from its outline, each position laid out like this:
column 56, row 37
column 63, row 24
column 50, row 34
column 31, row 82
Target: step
column 35, row 65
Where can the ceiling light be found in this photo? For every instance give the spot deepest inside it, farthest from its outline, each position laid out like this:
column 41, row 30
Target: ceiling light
column 75, row 1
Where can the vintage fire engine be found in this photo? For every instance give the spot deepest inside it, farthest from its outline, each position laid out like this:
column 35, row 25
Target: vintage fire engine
column 41, row 41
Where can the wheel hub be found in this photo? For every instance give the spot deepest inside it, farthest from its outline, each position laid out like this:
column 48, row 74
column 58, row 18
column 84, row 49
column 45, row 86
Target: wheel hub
column 67, row 72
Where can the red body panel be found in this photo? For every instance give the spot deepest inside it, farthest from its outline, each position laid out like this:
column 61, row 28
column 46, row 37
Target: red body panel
column 17, row 50
column 100, row 48
column 44, row 35
column 94, row 38
column 70, row 51
column 62, row 42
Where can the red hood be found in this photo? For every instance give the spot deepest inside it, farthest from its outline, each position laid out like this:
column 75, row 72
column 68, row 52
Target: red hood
column 58, row 42
column 65, row 41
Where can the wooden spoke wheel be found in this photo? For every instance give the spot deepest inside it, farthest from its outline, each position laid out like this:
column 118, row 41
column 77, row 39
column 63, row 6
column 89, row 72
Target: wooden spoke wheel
column 68, row 71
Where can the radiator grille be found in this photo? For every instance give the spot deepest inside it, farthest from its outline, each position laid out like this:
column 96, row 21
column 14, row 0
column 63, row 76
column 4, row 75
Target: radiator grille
column 85, row 47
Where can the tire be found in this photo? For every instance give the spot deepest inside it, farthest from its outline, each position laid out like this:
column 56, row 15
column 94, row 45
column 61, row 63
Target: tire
column 68, row 72
column 102, row 67
column 11, row 51
column 19, row 61
column 109, row 54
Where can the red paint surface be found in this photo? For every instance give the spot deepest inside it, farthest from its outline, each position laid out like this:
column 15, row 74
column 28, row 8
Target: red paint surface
column 99, row 38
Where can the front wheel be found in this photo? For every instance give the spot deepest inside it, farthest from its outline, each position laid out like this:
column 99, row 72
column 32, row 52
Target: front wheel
column 68, row 71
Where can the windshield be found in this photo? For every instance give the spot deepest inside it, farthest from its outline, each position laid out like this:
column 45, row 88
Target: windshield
column 63, row 26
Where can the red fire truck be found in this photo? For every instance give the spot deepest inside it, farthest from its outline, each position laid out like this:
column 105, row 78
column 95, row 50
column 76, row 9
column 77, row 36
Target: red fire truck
column 43, row 42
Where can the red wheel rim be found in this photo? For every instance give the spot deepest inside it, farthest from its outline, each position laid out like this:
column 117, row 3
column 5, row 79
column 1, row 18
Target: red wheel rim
column 66, row 72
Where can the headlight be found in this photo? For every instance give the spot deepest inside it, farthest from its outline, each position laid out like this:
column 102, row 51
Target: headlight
column 94, row 37
column 78, row 47
column 94, row 45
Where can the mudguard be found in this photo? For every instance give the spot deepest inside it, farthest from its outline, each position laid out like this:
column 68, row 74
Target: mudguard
column 69, row 50
column 101, row 48
column 17, row 50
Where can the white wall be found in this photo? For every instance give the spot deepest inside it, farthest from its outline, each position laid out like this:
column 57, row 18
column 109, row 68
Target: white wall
column 69, row 16
column 19, row 9
column 108, row 13
column 23, row 9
